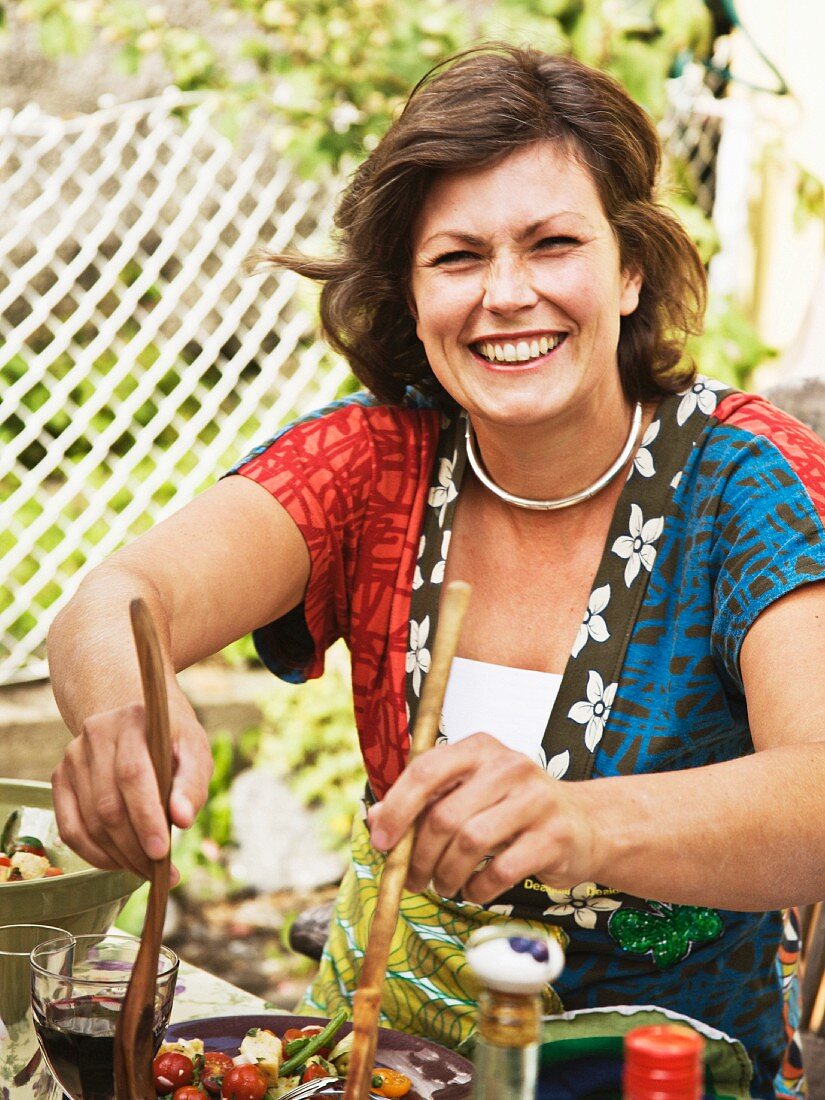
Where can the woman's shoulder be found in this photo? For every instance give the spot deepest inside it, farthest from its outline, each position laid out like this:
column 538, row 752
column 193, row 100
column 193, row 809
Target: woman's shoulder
column 780, row 436
column 358, row 421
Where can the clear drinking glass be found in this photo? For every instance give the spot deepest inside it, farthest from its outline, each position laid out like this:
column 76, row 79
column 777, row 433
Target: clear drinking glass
column 23, row 1071
column 77, row 991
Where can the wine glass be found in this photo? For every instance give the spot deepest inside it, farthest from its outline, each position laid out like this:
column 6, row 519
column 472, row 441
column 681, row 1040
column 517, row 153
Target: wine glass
column 23, row 1073
column 77, row 991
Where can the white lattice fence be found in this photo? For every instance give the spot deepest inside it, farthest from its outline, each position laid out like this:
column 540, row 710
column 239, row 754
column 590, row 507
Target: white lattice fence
column 137, row 361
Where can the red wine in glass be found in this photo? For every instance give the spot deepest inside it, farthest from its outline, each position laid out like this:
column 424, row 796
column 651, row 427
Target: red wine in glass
column 78, row 1038
column 77, row 994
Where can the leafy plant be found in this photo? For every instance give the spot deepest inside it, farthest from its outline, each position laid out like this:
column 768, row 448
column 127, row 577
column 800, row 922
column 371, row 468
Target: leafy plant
column 308, row 736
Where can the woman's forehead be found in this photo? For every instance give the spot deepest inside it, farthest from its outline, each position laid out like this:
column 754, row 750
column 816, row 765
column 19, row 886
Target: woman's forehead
column 521, row 191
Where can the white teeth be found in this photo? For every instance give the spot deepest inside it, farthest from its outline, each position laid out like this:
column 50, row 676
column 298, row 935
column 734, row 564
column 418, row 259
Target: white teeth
column 521, row 352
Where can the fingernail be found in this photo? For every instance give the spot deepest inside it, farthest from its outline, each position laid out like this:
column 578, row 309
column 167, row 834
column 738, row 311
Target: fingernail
column 174, row 875
column 156, row 847
column 379, row 840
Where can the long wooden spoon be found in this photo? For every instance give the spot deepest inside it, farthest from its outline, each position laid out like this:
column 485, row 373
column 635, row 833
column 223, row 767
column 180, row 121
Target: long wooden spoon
column 133, row 1034
column 367, row 1000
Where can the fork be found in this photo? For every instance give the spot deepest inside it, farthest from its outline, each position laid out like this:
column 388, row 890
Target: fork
column 318, row 1084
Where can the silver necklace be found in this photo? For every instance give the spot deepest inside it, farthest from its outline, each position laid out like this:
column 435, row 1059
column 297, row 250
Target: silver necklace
column 562, row 502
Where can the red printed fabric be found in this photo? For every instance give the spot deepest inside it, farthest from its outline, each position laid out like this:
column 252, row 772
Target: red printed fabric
column 360, row 512
column 801, row 447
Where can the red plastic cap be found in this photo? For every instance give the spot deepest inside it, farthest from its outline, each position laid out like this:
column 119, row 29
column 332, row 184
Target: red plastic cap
column 663, row 1062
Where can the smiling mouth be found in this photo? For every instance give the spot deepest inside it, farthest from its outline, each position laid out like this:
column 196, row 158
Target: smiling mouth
column 520, row 351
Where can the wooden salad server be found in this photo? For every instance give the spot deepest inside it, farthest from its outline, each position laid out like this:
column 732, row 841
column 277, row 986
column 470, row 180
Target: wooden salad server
column 133, row 1034
column 367, row 1000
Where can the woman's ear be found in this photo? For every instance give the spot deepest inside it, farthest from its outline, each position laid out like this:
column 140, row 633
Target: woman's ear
column 631, row 289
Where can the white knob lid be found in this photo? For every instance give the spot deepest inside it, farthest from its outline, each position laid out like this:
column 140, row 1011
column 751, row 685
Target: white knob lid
column 514, row 959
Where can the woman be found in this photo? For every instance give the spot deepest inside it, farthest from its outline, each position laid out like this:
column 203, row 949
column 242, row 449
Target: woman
column 643, row 547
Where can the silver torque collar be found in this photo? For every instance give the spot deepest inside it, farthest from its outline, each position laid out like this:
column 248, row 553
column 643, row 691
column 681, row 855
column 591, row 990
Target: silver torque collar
column 561, row 502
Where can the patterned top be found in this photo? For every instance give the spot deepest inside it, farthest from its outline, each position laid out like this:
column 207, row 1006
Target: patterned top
column 721, row 515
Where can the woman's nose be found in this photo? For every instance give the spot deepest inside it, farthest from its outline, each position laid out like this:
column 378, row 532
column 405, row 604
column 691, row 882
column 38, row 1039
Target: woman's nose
column 508, row 287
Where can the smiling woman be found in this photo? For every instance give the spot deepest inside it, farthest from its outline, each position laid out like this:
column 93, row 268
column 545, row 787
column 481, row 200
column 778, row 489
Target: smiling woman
column 641, row 542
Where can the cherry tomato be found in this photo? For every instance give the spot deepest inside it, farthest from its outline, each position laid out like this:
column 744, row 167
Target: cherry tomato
column 244, row 1083
column 170, row 1070
column 388, row 1082
column 52, row 872
column 27, row 844
column 189, row 1092
column 215, row 1065
column 6, row 862
column 312, row 1071
column 292, row 1033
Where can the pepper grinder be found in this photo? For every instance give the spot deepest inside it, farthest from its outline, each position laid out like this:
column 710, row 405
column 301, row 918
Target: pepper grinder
column 513, row 964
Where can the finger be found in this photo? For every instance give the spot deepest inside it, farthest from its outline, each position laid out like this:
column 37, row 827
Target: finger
column 447, row 845
column 79, row 766
column 512, row 865
column 71, row 828
column 424, row 779
column 477, row 839
column 104, row 797
column 146, row 828
column 459, row 830
column 192, row 771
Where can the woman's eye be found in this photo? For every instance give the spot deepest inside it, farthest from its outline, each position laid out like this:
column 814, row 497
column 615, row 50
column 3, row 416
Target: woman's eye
column 556, row 242
column 457, row 257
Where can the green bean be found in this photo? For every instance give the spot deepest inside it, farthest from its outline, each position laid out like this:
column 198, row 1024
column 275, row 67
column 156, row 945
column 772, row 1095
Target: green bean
column 315, row 1043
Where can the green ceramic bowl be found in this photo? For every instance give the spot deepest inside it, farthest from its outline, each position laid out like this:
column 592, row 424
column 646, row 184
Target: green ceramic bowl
column 83, row 899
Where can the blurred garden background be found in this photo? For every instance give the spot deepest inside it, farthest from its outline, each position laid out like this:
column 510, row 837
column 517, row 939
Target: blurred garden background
column 148, row 149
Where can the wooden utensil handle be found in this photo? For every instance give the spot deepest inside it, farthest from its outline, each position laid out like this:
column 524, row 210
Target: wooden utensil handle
column 367, row 1001
column 133, row 1033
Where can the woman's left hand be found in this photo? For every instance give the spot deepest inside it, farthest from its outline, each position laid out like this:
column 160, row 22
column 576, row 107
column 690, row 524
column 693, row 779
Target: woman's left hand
column 479, row 799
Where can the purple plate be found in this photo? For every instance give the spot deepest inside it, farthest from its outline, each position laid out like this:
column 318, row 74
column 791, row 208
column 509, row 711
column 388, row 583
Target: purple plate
column 436, row 1072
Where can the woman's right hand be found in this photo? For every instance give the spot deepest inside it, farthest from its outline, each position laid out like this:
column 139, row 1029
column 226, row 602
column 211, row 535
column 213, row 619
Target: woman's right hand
column 105, row 793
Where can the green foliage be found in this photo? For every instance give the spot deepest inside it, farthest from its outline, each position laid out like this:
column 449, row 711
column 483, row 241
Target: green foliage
column 729, row 348
column 810, row 198
column 308, row 736
column 639, row 42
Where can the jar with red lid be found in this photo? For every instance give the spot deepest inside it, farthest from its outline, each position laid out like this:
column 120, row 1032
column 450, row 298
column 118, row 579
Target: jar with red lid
column 663, row 1062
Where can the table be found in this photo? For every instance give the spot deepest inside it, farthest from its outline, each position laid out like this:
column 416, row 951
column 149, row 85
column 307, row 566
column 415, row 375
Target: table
column 200, row 994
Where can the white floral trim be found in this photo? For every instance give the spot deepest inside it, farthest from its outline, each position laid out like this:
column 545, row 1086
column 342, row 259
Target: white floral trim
column 702, row 395
column 437, row 576
column 557, row 765
column 593, row 625
column 594, row 711
column 643, row 460
column 418, row 579
column 418, row 656
column 637, row 546
column 583, row 903
column 442, row 494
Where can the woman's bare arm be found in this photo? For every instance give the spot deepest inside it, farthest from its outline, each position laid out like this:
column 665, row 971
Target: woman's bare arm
column 230, row 561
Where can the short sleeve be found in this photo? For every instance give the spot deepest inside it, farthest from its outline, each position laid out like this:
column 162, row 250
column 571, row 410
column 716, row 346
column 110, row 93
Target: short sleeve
column 768, row 537
column 320, row 469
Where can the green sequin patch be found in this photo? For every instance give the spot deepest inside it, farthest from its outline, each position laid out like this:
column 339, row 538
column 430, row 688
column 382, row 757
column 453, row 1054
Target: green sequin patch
column 667, row 933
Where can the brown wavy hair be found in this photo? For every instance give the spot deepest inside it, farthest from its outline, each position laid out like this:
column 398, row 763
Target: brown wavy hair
column 474, row 109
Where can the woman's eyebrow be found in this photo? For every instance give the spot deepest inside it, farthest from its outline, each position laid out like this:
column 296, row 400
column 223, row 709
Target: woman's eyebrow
column 530, row 230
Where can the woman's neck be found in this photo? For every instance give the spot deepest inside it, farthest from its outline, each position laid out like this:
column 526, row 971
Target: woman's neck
column 543, row 462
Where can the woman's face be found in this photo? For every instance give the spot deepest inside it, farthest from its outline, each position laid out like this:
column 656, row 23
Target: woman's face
column 517, row 289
